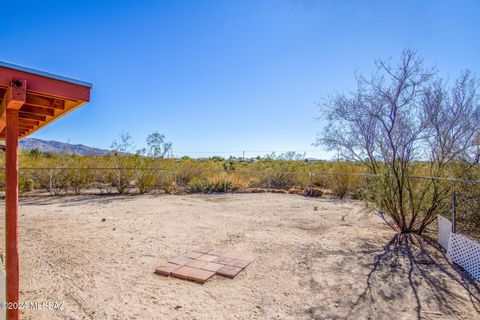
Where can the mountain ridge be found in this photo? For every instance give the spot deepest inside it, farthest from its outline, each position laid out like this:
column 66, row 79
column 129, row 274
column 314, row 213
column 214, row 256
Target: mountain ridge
column 52, row 146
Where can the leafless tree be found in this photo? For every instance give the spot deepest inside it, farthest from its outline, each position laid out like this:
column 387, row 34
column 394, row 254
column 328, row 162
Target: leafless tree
column 404, row 121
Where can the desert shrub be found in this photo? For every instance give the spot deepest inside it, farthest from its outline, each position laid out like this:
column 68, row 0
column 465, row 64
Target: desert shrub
column 344, row 184
column 196, row 185
column 222, row 183
column 120, row 179
column 146, row 180
column 240, row 180
column 41, row 177
column 79, row 179
column 123, row 173
column 188, row 169
column 340, row 185
column 169, row 186
column 26, row 185
column 319, row 180
column 280, row 179
column 58, row 181
column 404, row 120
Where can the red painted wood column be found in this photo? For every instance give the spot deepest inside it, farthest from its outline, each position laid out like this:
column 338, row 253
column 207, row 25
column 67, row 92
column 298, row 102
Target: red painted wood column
column 11, row 206
column 14, row 98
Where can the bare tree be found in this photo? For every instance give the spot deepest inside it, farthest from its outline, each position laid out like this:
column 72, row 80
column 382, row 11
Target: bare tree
column 403, row 121
column 157, row 146
column 124, row 144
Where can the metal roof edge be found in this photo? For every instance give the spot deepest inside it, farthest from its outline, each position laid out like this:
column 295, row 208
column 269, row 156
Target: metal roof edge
column 44, row 74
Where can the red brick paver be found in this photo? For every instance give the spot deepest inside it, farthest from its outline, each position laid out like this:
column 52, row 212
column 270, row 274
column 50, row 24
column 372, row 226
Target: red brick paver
column 208, row 257
column 202, row 263
column 212, row 266
column 193, row 274
column 180, row 260
column 198, row 264
column 229, row 271
column 166, row 269
column 223, row 260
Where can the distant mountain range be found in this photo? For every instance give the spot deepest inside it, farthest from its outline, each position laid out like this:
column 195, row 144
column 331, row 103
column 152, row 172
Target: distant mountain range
column 60, row 147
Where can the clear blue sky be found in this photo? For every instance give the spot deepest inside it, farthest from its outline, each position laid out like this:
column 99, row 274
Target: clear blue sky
column 224, row 75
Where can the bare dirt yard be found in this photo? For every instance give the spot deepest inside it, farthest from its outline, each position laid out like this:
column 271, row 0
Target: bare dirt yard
column 315, row 259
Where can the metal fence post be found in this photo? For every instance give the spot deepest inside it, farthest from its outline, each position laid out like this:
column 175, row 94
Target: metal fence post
column 454, row 212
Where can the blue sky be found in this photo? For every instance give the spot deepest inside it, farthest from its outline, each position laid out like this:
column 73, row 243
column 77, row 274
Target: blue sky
column 216, row 76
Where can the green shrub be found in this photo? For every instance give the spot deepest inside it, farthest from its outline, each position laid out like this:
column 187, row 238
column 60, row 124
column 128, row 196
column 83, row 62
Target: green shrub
column 169, row 186
column 146, row 180
column 79, row 179
column 26, row 185
column 197, row 185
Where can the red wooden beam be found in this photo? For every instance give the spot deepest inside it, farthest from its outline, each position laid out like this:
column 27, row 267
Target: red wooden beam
column 39, row 101
column 45, row 84
column 38, row 111
column 31, row 116
column 14, row 98
column 11, row 216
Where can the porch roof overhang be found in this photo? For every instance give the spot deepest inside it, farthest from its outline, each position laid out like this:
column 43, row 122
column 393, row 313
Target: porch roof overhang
column 40, row 97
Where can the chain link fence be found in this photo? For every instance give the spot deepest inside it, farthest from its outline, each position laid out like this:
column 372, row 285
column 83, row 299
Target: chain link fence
column 63, row 181
column 463, row 195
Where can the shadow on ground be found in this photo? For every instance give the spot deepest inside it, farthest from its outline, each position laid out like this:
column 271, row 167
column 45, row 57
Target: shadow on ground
column 409, row 279
column 69, row 200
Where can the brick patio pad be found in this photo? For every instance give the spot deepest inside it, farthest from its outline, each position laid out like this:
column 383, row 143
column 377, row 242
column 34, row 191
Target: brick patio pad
column 201, row 264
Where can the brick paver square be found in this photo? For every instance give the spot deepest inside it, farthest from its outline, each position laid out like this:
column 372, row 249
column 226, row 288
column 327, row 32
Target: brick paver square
column 166, row 269
column 223, row 260
column 193, row 274
column 202, row 263
column 207, row 257
column 180, row 260
column 212, row 266
column 239, row 263
column 198, row 264
column 229, row 271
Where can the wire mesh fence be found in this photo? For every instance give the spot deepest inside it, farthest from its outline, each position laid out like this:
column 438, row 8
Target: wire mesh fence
column 68, row 180
column 462, row 198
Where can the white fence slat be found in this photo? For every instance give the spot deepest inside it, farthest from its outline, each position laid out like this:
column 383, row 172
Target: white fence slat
column 444, row 230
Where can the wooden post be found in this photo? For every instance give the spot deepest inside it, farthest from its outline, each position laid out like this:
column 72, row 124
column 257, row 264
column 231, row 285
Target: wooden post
column 11, row 216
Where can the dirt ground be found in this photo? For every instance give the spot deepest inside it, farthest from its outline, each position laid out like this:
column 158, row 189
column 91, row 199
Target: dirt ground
column 315, row 259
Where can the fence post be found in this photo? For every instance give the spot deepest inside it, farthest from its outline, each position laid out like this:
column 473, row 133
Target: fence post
column 454, row 212
column 269, row 180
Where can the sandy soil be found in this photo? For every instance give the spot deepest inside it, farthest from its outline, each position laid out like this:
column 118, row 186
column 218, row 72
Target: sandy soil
column 328, row 263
